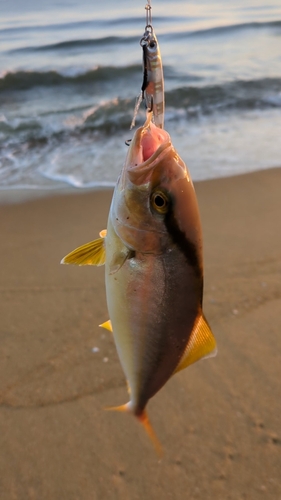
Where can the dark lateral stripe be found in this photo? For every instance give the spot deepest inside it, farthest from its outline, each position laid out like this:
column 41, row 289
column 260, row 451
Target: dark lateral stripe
column 183, row 243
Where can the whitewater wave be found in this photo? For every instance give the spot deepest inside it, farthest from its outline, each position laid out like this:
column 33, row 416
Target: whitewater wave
column 88, row 130
column 90, row 160
column 260, row 93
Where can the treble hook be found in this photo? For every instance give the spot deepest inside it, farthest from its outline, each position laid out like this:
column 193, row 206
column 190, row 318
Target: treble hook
column 148, row 13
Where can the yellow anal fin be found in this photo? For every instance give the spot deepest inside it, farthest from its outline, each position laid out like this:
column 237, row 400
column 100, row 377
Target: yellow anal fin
column 107, row 325
column 201, row 344
column 144, row 420
column 90, row 254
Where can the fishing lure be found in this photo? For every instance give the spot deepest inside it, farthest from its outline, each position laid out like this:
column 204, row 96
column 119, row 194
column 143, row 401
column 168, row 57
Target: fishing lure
column 152, row 90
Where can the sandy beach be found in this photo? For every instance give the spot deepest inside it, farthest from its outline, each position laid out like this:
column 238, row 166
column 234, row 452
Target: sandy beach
column 218, row 421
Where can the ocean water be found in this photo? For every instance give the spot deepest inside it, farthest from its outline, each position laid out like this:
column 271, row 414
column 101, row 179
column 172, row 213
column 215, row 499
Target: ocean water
column 70, row 73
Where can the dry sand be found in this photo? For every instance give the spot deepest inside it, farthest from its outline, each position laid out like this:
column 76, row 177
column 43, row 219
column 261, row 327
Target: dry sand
column 219, row 420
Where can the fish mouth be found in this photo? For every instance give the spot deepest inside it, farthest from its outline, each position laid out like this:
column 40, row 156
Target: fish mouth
column 148, row 146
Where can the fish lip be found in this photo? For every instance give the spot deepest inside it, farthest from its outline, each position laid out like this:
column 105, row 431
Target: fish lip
column 141, row 174
column 134, row 166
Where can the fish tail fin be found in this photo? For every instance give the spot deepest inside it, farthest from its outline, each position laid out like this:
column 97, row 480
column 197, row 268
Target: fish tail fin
column 144, row 420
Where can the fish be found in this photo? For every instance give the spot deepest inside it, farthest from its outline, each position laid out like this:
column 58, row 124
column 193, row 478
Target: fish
column 153, row 80
column 152, row 251
column 152, row 89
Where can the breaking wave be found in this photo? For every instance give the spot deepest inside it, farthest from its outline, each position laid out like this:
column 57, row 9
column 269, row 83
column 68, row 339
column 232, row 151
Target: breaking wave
column 25, row 80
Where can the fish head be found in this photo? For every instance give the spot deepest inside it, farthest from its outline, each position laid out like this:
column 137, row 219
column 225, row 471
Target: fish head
column 154, row 197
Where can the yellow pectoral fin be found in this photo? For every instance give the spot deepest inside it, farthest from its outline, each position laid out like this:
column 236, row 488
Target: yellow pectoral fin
column 107, row 325
column 201, row 344
column 90, row 254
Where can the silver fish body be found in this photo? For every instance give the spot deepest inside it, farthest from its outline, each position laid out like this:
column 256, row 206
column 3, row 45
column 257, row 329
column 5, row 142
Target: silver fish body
column 152, row 251
column 153, row 268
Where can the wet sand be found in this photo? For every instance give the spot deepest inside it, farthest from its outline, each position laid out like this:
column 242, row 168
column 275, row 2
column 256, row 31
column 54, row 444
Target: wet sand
column 218, row 421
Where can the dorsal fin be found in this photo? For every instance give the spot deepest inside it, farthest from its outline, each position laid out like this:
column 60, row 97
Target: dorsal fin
column 201, row 344
column 90, row 254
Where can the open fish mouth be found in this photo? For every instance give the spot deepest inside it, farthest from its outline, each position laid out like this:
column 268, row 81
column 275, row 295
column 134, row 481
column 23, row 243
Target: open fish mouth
column 147, row 144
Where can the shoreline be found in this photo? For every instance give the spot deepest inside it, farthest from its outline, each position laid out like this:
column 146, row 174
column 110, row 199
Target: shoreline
column 22, row 195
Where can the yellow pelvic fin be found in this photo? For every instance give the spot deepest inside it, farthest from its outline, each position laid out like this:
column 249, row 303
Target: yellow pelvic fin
column 107, row 325
column 201, row 344
column 90, row 254
column 144, row 420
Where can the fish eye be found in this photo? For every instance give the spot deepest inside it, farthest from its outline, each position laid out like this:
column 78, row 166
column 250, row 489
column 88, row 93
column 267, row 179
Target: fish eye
column 159, row 202
column 152, row 44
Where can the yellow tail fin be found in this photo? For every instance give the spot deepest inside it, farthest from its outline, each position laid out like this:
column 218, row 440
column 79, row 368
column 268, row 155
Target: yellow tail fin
column 144, row 420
